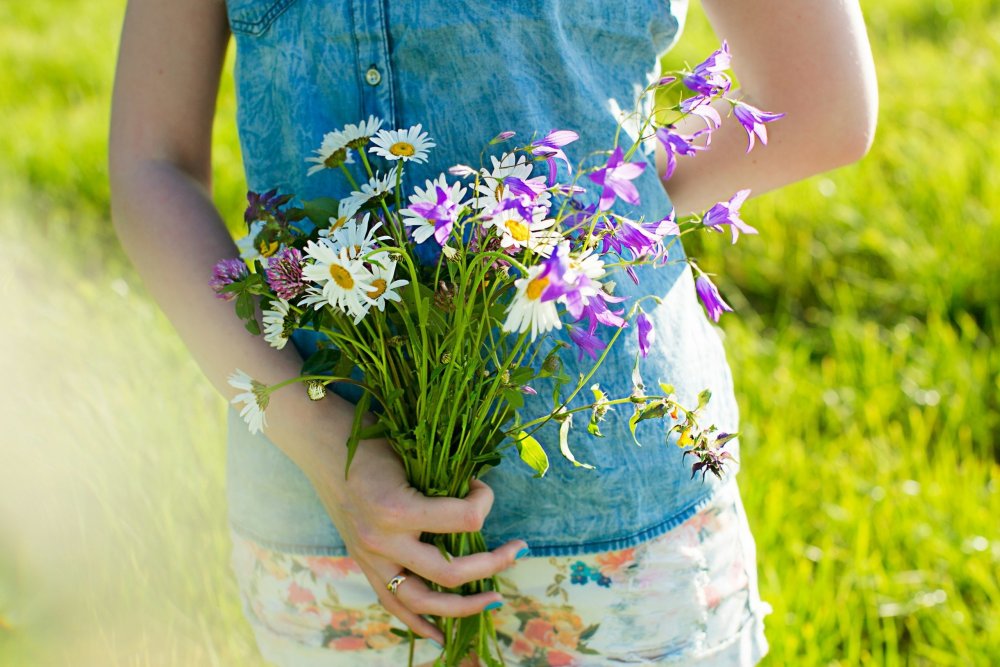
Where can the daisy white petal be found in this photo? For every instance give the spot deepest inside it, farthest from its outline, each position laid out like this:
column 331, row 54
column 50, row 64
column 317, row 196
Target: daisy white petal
column 278, row 326
column 254, row 399
column 356, row 136
column 343, row 279
column 405, row 145
column 383, row 270
column 331, row 154
column 527, row 311
column 377, row 187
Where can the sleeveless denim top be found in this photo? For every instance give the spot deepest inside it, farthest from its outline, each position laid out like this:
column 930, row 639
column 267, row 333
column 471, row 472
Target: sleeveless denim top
column 468, row 71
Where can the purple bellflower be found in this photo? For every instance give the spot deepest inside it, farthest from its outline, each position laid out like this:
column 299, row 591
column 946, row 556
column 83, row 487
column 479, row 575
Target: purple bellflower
column 710, row 297
column 752, row 119
column 646, row 334
column 708, row 77
column 615, row 178
column 443, row 213
column 674, row 144
column 550, row 147
column 701, row 106
column 728, row 213
column 585, row 343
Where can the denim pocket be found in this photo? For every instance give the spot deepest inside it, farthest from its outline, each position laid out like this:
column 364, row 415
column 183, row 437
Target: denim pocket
column 254, row 17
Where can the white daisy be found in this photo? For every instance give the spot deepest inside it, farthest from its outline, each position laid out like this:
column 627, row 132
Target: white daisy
column 356, row 136
column 254, row 399
column 344, row 281
column 356, row 237
column 405, row 145
column 492, row 190
column 248, row 251
column 331, row 154
column 383, row 270
column 376, row 187
column 278, row 326
column 527, row 310
column 424, row 228
column 514, row 232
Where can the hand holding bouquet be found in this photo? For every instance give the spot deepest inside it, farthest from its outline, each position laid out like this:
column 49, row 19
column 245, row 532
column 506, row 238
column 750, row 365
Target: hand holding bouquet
column 442, row 299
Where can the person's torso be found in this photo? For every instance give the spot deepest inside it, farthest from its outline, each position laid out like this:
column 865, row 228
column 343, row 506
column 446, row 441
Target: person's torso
column 466, row 72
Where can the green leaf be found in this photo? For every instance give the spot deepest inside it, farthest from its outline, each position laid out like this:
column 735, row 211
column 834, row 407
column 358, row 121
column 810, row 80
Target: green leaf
column 252, row 326
column 320, row 210
column 360, row 410
column 655, row 410
column 667, row 389
column 703, row 398
column 322, row 362
column 245, row 307
column 514, row 398
column 564, row 443
column 531, row 452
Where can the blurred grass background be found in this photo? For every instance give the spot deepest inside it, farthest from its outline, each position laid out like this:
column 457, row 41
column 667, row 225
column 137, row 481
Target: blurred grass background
column 864, row 350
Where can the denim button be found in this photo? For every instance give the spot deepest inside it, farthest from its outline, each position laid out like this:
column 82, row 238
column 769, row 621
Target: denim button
column 373, row 76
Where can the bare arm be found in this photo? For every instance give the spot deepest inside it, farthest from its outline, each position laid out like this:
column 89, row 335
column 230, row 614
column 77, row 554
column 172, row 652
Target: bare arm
column 171, row 57
column 807, row 58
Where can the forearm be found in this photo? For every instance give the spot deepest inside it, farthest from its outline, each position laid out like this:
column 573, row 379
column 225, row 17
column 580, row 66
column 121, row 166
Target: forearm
column 172, row 232
column 808, row 59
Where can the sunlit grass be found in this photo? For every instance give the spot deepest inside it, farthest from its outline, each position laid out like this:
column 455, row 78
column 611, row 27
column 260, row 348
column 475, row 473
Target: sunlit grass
column 865, row 355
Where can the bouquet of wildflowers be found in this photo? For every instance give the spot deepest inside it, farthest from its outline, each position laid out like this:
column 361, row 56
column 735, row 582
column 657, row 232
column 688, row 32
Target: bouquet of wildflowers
column 515, row 256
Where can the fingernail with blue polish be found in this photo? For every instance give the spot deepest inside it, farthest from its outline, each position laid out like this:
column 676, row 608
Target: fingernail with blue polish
column 493, row 605
column 522, row 553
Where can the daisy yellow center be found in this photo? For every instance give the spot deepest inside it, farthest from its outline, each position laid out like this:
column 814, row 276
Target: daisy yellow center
column 402, row 149
column 341, row 276
column 499, row 191
column 380, row 286
column 519, row 231
column 536, row 287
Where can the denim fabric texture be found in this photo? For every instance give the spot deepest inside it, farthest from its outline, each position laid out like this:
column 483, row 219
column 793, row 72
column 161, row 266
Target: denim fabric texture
column 467, row 71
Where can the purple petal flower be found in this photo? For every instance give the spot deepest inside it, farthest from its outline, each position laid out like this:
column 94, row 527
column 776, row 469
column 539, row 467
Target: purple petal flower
column 728, row 213
column 708, row 77
column 264, row 206
column 752, row 119
column 710, row 297
column 666, row 81
column 503, row 136
column 525, row 389
column 550, row 147
column 701, row 106
column 674, row 144
column 615, row 178
column 586, row 343
column 646, row 334
column 284, row 274
column 617, row 232
column 443, row 213
column 227, row 272
column 596, row 312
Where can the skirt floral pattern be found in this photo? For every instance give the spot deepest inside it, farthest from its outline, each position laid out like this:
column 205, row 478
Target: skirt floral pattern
column 688, row 597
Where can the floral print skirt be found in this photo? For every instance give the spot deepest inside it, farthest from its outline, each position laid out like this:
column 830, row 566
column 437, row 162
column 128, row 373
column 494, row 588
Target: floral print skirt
column 688, row 597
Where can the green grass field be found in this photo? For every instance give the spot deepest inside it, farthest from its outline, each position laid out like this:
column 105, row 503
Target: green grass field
column 864, row 350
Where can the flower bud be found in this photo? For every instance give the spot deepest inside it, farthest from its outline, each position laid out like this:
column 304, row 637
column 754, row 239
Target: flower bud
column 316, row 390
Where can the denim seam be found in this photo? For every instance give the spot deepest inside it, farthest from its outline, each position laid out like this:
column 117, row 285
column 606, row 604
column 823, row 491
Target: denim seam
column 598, row 546
column 261, row 24
column 626, row 541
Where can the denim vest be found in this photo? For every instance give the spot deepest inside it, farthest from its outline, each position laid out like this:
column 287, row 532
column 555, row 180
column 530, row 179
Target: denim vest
column 467, row 71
